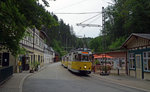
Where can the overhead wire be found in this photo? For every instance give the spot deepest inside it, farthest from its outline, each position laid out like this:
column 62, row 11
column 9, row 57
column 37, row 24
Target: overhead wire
column 109, row 2
column 90, row 18
column 94, row 19
column 78, row 13
column 81, row 30
column 71, row 5
column 89, row 22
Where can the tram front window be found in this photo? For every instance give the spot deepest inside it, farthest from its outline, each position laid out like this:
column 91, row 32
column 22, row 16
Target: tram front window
column 85, row 58
column 82, row 57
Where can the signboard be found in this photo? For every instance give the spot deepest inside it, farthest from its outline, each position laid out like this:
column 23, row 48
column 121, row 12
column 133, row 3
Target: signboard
column 85, row 53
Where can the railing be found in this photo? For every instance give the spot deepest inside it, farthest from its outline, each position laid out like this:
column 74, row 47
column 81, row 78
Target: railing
column 101, row 68
column 5, row 73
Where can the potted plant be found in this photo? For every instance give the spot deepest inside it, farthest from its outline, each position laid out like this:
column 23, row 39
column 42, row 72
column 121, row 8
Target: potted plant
column 31, row 68
column 105, row 70
column 97, row 62
column 36, row 65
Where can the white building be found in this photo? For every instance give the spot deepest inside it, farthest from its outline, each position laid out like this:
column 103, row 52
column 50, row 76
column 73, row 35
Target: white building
column 34, row 48
column 48, row 54
column 37, row 52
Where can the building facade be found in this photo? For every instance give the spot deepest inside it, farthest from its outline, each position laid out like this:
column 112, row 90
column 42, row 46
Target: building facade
column 116, row 59
column 138, row 55
column 34, row 45
column 34, row 48
column 6, row 59
column 48, row 54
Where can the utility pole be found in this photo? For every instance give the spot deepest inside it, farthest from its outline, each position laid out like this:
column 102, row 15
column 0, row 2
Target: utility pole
column 103, row 18
column 84, row 46
column 104, row 40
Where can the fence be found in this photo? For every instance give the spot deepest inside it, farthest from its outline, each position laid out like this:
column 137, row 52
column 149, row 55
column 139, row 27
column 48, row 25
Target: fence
column 100, row 68
column 5, row 73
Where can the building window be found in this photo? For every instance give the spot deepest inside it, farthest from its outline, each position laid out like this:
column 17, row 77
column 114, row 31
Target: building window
column 0, row 59
column 38, row 58
column 120, row 62
column 146, row 61
column 132, row 61
column 31, row 58
column 138, row 62
column 29, row 38
column 37, row 40
column 41, row 58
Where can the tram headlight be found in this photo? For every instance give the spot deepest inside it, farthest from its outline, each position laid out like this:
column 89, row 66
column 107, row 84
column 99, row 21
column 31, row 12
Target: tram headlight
column 85, row 67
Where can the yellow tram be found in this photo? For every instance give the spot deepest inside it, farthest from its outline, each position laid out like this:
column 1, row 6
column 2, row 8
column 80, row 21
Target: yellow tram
column 79, row 61
column 65, row 61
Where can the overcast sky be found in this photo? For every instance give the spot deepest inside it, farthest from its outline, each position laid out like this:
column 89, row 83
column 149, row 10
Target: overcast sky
column 80, row 6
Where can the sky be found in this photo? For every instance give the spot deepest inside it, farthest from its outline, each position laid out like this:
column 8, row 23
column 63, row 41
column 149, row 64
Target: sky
column 80, row 6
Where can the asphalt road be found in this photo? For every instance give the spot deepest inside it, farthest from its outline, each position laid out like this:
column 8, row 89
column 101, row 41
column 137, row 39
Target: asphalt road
column 56, row 78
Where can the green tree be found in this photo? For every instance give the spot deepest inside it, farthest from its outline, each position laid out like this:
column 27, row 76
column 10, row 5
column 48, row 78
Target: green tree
column 16, row 16
column 13, row 26
column 123, row 18
column 97, row 45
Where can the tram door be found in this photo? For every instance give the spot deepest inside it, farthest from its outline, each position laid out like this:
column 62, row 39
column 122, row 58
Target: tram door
column 138, row 66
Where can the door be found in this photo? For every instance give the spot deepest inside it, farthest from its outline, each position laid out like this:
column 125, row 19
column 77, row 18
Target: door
column 5, row 61
column 23, row 63
column 138, row 66
column 1, row 58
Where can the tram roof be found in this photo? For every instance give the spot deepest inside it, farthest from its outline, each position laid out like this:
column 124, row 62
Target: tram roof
column 83, row 49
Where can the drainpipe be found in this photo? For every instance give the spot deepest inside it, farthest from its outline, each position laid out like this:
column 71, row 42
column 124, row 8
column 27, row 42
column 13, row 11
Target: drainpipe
column 105, row 64
column 142, row 67
column 33, row 46
column 126, row 62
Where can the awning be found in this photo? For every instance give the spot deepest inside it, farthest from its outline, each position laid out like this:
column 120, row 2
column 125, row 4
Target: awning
column 102, row 56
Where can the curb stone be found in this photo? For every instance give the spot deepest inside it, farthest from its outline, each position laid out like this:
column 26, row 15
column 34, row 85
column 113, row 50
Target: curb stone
column 28, row 75
column 22, row 81
column 115, row 82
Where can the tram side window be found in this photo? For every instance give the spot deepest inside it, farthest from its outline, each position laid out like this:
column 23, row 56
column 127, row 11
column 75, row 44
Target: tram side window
column 67, row 59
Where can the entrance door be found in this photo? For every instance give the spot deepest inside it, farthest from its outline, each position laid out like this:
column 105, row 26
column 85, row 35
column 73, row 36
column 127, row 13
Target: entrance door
column 1, row 59
column 5, row 59
column 23, row 63
column 138, row 66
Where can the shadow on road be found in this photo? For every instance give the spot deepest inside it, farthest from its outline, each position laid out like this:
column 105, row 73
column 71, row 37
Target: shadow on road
column 80, row 74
